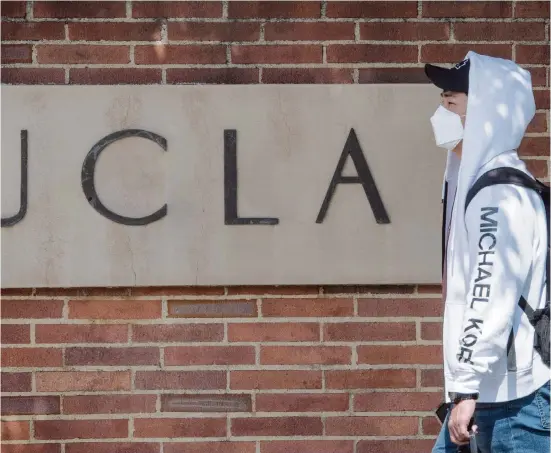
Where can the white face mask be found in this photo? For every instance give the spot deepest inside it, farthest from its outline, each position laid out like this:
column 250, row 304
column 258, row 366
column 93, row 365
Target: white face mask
column 447, row 127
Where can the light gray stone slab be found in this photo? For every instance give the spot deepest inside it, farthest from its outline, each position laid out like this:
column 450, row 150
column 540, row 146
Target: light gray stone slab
column 289, row 141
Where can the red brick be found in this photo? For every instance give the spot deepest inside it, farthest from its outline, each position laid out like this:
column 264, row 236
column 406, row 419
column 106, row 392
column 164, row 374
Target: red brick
column 32, row 31
column 396, row 401
column 405, row 31
column 177, row 291
column 81, row 333
column 114, row 76
column 308, row 31
column 534, row 146
column 431, row 426
column 30, row 405
column 306, row 75
column 539, row 76
column 369, row 331
column 272, row 379
column 365, row 10
column 431, row 331
column 273, row 10
column 171, row 9
column 180, row 54
column 172, row 333
column 109, row 404
column 280, row 290
column 210, row 355
column 206, row 403
column 371, row 426
column 17, row 292
column 538, row 124
column 429, row 355
column 371, row 53
column 111, row 447
column 307, row 446
column 467, row 9
column 31, row 448
column 395, row 446
column 115, row 31
column 17, row 53
column 15, row 430
column 432, row 378
column 367, row 379
column 214, row 31
column 16, row 333
column 31, row 357
column 112, row 356
column 33, row 309
column 65, row 10
column 452, row 53
column 495, row 31
column 231, row 76
column 82, row 292
column 80, row 429
column 185, row 380
column 89, row 381
column 281, row 331
column 15, row 382
column 212, row 308
column 400, row 307
column 526, row 9
column 33, row 76
column 276, row 54
column 430, row 289
column 280, row 426
column 305, row 402
column 542, row 99
column 114, row 309
column 369, row 289
column 14, row 9
column 305, row 355
column 177, row 427
column 209, row 447
column 82, row 53
column 532, row 54
column 291, row 308
column 538, row 168
column 392, row 75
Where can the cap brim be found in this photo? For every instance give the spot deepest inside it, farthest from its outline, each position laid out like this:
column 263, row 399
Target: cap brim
column 439, row 76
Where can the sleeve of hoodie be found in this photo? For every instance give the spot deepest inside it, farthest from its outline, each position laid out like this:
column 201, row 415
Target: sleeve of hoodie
column 500, row 230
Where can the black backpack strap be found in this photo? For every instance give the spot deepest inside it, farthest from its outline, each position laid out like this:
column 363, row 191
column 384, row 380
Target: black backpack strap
column 502, row 175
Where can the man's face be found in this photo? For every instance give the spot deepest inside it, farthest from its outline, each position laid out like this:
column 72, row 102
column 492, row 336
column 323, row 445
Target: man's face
column 455, row 102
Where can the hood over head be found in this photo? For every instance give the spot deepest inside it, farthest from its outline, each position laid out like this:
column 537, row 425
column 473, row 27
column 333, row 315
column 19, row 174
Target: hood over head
column 500, row 106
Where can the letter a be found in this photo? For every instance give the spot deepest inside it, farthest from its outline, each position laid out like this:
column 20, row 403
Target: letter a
column 365, row 178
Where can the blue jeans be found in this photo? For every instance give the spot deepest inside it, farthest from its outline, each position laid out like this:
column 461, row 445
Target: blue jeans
column 518, row 426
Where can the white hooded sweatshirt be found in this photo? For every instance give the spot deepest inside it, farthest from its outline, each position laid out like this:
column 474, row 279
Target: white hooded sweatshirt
column 496, row 249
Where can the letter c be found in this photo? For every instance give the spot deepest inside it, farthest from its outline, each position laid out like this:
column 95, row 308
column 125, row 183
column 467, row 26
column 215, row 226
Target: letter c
column 485, row 235
column 89, row 167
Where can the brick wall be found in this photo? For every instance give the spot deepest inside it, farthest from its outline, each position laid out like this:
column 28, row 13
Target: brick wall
column 247, row 370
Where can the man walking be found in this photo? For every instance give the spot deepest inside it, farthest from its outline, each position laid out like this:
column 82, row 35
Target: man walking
column 494, row 266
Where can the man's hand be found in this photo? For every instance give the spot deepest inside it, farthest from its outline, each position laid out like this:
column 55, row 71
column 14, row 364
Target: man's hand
column 459, row 421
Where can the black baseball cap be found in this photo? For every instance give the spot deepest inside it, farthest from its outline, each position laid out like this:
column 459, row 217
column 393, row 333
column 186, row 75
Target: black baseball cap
column 455, row 78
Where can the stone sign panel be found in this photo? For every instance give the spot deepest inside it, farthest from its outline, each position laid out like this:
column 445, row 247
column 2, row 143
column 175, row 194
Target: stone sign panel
column 219, row 185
